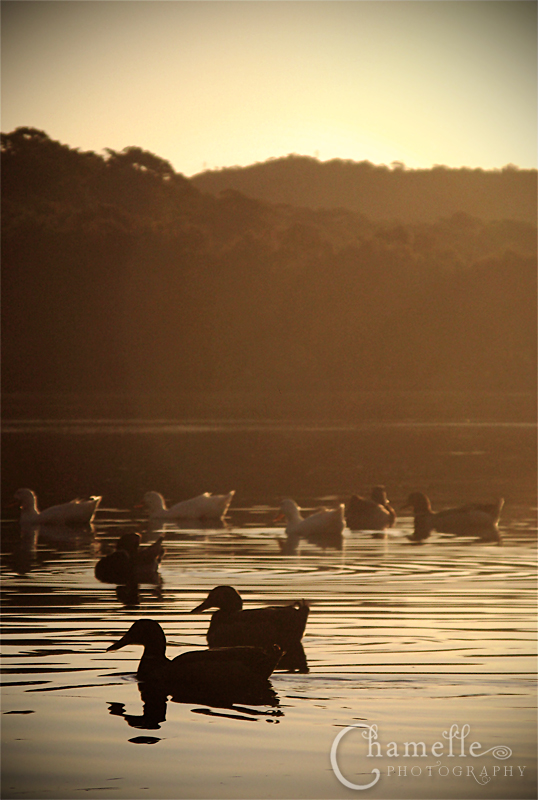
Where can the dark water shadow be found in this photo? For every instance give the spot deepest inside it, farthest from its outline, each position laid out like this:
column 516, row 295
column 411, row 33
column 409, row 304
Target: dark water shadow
column 128, row 564
column 290, row 545
column 25, row 545
column 192, row 525
column 236, row 704
column 294, row 660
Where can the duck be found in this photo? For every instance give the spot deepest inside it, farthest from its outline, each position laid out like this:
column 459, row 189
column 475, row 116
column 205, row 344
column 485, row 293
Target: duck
column 259, row 627
column 131, row 563
column 77, row 512
column 204, row 506
column 374, row 514
column 473, row 519
column 222, row 671
column 322, row 523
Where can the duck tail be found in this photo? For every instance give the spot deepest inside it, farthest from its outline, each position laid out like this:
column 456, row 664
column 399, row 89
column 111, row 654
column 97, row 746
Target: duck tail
column 301, row 617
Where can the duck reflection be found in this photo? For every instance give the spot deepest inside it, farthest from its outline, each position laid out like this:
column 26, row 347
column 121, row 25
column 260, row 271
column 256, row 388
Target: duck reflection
column 289, row 546
column 129, row 594
column 191, row 525
column 130, row 565
column 129, row 562
column 59, row 538
column 238, row 705
column 24, row 549
column 153, row 709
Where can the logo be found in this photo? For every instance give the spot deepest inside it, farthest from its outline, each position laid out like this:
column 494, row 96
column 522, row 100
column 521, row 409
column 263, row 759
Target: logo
column 454, row 746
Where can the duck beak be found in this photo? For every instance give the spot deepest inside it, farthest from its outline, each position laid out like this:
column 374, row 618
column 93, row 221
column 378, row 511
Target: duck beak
column 202, row 607
column 121, row 643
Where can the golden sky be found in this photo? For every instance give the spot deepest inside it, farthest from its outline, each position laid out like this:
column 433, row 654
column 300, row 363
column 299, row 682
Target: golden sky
column 208, row 84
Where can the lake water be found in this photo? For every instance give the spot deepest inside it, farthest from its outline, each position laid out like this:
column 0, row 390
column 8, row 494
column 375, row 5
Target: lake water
column 411, row 639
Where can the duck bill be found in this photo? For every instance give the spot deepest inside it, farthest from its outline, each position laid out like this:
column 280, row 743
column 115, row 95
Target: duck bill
column 121, row 643
column 202, row 607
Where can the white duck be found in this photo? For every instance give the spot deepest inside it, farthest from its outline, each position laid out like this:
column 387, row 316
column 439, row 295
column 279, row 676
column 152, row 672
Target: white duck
column 77, row 512
column 204, row 506
column 322, row 523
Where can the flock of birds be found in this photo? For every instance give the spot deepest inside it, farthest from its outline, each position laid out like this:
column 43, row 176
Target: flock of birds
column 245, row 645
column 367, row 514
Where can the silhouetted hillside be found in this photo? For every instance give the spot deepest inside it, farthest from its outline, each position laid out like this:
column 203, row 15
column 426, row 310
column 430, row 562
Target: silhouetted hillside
column 380, row 192
column 119, row 275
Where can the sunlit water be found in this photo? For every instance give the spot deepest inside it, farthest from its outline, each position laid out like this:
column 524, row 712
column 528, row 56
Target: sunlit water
column 411, row 639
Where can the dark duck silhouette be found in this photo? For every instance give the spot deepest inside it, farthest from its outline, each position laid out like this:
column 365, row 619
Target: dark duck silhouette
column 131, row 563
column 220, row 675
column 374, row 514
column 261, row 627
column 473, row 519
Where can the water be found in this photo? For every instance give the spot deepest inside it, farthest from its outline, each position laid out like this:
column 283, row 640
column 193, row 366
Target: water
column 411, row 639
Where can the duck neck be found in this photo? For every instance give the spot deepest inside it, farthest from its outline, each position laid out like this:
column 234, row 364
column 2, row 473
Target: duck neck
column 150, row 666
column 423, row 525
column 422, row 504
column 293, row 514
column 153, row 659
column 28, row 504
column 232, row 605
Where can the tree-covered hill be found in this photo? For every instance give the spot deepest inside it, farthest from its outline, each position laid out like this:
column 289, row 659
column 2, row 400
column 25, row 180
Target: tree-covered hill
column 381, row 192
column 120, row 275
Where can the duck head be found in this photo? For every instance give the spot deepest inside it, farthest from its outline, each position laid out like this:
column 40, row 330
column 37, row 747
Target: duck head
column 223, row 597
column 154, row 502
column 379, row 495
column 290, row 510
column 26, row 499
column 129, row 542
column 146, row 632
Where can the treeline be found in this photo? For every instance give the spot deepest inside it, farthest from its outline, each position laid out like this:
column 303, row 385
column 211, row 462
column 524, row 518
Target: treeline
column 120, row 275
column 381, row 192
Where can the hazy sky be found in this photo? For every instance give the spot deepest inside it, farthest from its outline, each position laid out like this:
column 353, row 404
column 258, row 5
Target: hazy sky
column 209, row 84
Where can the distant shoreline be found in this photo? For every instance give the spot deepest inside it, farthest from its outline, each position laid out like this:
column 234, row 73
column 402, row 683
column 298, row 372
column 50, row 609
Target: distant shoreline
column 348, row 406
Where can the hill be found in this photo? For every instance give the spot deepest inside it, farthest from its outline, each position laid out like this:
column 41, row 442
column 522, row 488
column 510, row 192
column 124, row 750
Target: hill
column 380, row 192
column 119, row 275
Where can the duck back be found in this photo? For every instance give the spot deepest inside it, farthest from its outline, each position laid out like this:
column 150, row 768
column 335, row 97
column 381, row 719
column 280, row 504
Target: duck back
column 374, row 514
column 263, row 627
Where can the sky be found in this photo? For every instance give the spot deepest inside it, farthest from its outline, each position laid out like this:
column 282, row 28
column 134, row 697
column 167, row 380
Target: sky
column 207, row 84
